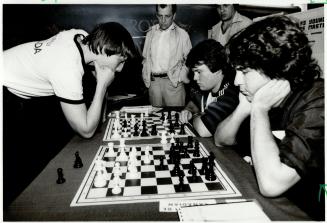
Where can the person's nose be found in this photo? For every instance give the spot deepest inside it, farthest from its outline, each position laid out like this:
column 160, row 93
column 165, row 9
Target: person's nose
column 196, row 76
column 238, row 78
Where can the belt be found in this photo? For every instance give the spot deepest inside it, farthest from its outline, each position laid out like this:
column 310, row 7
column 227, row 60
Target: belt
column 159, row 74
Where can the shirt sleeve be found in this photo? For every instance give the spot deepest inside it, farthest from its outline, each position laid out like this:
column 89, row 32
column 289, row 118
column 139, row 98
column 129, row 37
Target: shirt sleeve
column 217, row 111
column 303, row 145
column 66, row 80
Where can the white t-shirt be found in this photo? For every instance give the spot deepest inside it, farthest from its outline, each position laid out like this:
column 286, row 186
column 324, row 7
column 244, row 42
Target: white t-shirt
column 45, row 68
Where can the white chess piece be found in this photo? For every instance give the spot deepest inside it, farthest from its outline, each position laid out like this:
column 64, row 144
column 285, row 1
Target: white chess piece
column 172, row 140
column 147, row 155
column 111, row 151
column 146, row 114
column 115, row 135
column 122, row 156
column 116, row 182
column 163, row 138
column 126, row 116
column 122, row 143
column 125, row 133
column 142, row 118
column 100, row 179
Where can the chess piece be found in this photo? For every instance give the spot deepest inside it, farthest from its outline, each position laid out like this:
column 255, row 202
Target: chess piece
column 204, row 165
column 176, row 168
column 61, row 178
column 196, row 152
column 210, row 174
column 154, row 130
column 144, row 132
column 161, row 165
column 163, row 138
column 122, row 155
column 136, row 128
column 172, row 140
column 116, row 134
column 100, row 180
column 125, row 123
column 176, row 119
column 189, row 141
column 191, row 167
column 78, row 161
column 181, row 180
column 169, row 115
column 116, row 181
column 147, row 159
column 111, row 151
column 182, row 131
column 171, row 127
column 162, row 118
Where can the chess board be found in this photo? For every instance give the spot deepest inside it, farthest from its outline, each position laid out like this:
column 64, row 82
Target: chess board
column 150, row 120
column 154, row 181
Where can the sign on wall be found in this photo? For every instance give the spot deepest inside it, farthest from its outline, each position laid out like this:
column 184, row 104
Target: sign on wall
column 312, row 23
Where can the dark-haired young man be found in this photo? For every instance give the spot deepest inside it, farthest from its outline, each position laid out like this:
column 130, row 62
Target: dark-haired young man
column 38, row 75
column 217, row 98
column 282, row 97
column 165, row 50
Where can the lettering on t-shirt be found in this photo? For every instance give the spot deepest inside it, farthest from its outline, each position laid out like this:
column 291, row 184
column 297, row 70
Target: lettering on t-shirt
column 37, row 47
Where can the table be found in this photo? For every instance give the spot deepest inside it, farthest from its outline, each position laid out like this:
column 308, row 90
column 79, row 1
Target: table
column 45, row 200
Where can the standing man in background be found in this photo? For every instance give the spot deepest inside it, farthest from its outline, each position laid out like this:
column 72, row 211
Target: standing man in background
column 231, row 22
column 165, row 50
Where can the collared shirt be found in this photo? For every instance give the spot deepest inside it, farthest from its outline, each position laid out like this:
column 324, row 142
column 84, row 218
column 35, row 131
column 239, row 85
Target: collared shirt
column 180, row 45
column 160, row 50
column 239, row 22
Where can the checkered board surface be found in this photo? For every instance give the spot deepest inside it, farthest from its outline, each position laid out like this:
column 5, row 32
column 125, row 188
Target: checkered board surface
column 150, row 120
column 153, row 183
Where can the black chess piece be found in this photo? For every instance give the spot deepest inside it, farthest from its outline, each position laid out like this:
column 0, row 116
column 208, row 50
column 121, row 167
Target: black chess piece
column 191, row 166
column 176, row 120
column 136, row 128
column 176, row 168
column 161, row 165
column 124, row 124
column 194, row 175
column 204, row 165
column 154, row 130
column 171, row 127
column 189, row 141
column 181, row 180
column 61, row 178
column 182, row 131
column 162, row 116
column 144, row 123
column 78, row 161
column 171, row 152
column 169, row 115
column 144, row 132
column 210, row 173
column 196, row 152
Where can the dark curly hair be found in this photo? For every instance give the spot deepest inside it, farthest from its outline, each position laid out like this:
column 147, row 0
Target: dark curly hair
column 113, row 37
column 211, row 53
column 278, row 48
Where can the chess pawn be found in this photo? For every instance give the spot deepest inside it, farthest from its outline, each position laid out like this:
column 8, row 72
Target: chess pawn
column 111, row 152
column 100, row 180
column 78, row 161
column 147, row 156
column 117, row 183
column 61, row 178
column 163, row 138
column 172, row 140
column 154, row 130
column 115, row 134
column 125, row 133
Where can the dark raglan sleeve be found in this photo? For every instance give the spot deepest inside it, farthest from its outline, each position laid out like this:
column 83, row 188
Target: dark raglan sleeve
column 217, row 111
